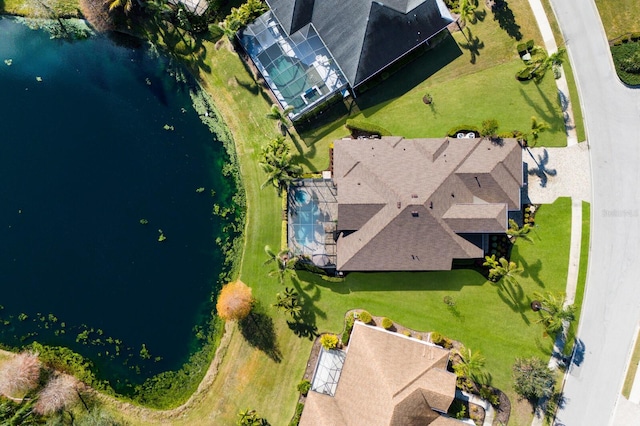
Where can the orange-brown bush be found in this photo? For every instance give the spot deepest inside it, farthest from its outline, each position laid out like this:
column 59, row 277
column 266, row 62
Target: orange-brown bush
column 20, row 374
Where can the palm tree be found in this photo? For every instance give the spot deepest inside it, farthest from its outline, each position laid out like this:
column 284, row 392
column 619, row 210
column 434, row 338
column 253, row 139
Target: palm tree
column 516, row 232
column 537, row 127
column 289, row 302
column 280, row 170
column 553, row 313
column 502, row 268
column 470, row 365
column 281, row 117
column 125, row 5
column 283, row 259
column 467, row 11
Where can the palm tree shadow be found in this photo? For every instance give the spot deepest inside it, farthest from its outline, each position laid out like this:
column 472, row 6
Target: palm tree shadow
column 550, row 115
column 542, row 171
column 513, row 296
column 473, row 45
column 258, row 330
column 251, row 87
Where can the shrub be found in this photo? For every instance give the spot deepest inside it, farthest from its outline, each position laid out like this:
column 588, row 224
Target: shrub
column 304, row 387
column 329, row 341
column 348, row 326
column 406, row 333
column 387, row 323
column 295, row 421
column 532, row 378
column 365, row 317
column 462, row 128
column 20, row 374
column 626, row 58
column 490, row 395
column 440, row 340
column 364, row 126
column 489, row 127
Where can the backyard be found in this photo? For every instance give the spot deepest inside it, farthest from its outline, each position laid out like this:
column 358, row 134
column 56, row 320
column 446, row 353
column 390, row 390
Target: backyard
column 486, row 319
column 467, row 84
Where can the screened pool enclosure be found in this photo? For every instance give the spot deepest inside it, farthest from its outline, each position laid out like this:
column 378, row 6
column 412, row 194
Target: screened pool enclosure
column 299, row 68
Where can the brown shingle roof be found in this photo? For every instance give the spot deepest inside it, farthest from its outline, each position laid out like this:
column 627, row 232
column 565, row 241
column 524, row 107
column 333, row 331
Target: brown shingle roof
column 382, row 371
column 418, row 181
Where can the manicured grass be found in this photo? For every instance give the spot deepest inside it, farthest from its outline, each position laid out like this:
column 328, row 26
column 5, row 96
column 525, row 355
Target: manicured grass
column 463, row 92
column 484, row 319
column 582, row 275
column 568, row 73
column 631, row 372
column 67, row 8
column 619, row 17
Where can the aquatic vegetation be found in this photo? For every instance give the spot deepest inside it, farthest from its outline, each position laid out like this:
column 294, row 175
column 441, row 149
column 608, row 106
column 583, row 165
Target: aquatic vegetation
column 39, row 79
column 143, row 221
column 8, row 62
column 167, row 127
column 199, row 190
column 161, row 237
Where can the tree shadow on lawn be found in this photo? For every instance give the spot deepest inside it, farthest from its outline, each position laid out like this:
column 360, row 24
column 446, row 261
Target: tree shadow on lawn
column 550, row 115
column 506, row 19
column 258, row 330
column 473, row 45
column 531, row 270
column 454, row 280
column 304, row 324
column 413, row 73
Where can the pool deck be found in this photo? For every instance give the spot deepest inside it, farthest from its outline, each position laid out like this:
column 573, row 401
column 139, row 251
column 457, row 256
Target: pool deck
column 312, row 215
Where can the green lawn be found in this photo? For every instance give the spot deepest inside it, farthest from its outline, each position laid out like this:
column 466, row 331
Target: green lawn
column 463, row 92
column 633, row 368
column 500, row 326
column 67, row 8
column 568, row 73
column 619, row 17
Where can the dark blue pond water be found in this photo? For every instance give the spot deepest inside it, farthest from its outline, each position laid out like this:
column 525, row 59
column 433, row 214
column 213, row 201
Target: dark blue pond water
column 84, row 156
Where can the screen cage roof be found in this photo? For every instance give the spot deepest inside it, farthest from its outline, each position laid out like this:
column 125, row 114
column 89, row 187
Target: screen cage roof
column 299, row 68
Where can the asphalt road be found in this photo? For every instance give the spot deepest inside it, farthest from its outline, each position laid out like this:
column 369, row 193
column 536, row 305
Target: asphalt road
column 611, row 308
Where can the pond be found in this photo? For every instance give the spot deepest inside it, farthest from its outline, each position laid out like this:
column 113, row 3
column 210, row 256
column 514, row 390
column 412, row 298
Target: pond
column 108, row 185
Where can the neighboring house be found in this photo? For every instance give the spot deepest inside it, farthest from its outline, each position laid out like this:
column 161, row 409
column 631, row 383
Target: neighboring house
column 387, row 379
column 419, row 204
column 197, row 7
column 310, row 50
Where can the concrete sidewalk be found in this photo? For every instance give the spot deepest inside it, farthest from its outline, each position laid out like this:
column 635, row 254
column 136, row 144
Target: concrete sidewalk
column 563, row 88
column 560, row 172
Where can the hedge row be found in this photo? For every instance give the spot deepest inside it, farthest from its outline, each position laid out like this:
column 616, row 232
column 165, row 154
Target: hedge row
column 626, row 58
column 364, row 126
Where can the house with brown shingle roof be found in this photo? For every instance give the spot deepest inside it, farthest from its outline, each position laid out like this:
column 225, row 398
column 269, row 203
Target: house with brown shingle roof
column 420, row 204
column 387, row 379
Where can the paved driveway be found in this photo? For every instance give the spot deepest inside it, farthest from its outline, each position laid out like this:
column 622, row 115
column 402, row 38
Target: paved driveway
column 558, row 172
column 611, row 308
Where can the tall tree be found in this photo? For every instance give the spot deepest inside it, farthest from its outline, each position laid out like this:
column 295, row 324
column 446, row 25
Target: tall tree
column 289, row 302
column 251, row 418
column 234, row 301
column 537, row 127
column 516, row 231
column 280, row 170
column 532, row 378
column 467, row 10
column 125, row 5
column 502, row 268
column 471, row 365
column 60, row 393
column 281, row 117
column 283, row 259
column 553, row 313
column 20, row 374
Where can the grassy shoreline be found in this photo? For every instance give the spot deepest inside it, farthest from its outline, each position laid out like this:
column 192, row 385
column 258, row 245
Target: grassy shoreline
column 252, row 379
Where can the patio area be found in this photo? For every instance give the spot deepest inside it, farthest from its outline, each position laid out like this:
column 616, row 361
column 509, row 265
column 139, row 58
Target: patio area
column 298, row 68
column 312, row 215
